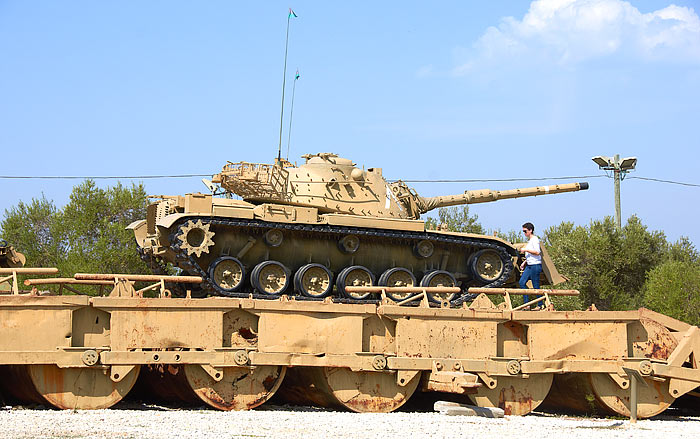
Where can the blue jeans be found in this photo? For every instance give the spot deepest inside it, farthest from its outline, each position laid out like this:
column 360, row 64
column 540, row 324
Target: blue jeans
column 531, row 272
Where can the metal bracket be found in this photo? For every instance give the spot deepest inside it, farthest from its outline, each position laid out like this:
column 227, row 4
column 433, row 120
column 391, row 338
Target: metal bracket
column 636, row 378
column 622, row 382
column 404, row 377
column 117, row 373
column 215, row 373
column 489, row 381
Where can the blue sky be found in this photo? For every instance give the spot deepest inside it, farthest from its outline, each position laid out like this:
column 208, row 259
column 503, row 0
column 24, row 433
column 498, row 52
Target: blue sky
column 454, row 90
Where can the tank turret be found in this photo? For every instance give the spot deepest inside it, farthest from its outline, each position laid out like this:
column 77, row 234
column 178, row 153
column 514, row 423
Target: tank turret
column 335, row 185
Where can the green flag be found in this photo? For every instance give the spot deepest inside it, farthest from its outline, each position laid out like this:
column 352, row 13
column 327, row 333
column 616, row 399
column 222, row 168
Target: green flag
column 292, row 14
column 297, row 75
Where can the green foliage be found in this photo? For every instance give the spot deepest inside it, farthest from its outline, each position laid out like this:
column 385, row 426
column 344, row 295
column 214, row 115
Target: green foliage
column 457, row 219
column 511, row 236
column 608, row 265
column 31, row 229
column 87, row 235
column 683, row 250
column 672, row 288
column 566, row 303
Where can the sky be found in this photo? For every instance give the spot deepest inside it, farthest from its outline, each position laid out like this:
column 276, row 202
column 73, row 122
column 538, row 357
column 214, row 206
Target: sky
column 452, row 91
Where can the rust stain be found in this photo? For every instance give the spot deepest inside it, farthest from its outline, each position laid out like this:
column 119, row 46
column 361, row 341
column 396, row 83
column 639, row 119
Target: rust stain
column 374, row 404
column 514, row 401
column 269, row 382
column 247, row 334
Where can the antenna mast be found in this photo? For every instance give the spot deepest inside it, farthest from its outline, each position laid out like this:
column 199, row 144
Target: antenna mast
column 291, row 113
column 284, row 82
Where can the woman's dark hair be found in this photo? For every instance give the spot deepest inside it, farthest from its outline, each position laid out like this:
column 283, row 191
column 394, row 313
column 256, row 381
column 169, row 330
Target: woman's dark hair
column 529, row 226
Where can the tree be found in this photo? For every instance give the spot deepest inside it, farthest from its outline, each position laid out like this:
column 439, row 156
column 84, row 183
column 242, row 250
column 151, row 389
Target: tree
column 511, row 236
column 457, row 219
column 31, row 229
column 672, row 288
column 87, row 235
column 607, row 265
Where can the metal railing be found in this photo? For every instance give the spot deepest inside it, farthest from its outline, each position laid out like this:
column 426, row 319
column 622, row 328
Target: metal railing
column 544, row 295
column 13, row 272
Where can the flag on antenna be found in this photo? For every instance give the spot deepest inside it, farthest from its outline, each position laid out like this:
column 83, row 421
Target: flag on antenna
column 297, row 75
column 292, row 13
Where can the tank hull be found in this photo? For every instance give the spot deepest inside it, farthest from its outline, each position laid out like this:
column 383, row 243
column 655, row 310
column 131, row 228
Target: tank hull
column 203, row 230
column 377, row 249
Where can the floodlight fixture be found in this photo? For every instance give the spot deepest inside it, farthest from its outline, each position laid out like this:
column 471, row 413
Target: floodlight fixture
column 628, row 163
column 603, row 162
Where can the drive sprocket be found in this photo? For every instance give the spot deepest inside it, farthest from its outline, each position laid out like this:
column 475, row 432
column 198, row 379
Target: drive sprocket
column 195, row 237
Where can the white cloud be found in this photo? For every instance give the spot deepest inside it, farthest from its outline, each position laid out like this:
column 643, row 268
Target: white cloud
column 570, row 31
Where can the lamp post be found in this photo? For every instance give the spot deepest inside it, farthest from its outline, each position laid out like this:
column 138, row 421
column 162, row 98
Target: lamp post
column 620, row 168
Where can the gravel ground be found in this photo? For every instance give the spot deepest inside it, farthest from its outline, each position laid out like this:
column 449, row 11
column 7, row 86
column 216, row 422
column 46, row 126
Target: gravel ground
column 148, row 421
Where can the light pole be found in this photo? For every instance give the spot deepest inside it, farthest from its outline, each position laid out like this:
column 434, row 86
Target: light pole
column 620, row 168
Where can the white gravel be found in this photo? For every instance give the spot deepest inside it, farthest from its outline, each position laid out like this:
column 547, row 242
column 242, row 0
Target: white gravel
column 283, row 422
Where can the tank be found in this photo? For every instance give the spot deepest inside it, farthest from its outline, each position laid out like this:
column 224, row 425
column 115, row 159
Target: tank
column 9, row 257
column 312, row 230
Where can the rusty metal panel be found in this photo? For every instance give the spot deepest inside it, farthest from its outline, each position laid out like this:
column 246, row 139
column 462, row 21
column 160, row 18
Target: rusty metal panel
column 34, row 329
column 378, row 334
column 240, row 329
column 577, row 316
column 194, row 305
column 37, row 323
column 417, row 337
column 577, row 340
column 310, row 333
column 166, row 328
column 512, row 340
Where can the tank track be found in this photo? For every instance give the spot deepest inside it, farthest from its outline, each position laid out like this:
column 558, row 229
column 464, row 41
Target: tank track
column 190, row 265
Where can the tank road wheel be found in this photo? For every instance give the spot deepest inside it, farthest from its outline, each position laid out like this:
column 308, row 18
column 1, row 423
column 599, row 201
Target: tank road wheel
column 227, row 274
column 270, row 277
column 313, row 280
column 355, row 276
column 439, row 278
column 487, row 266
column 515, row 395
column 240, row 388
column 398, row 277
column 79, row 388
column 195, row 237
column 368, row 392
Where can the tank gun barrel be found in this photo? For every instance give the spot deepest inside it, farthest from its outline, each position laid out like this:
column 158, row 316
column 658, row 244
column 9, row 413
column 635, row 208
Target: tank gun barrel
column 426, row 204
